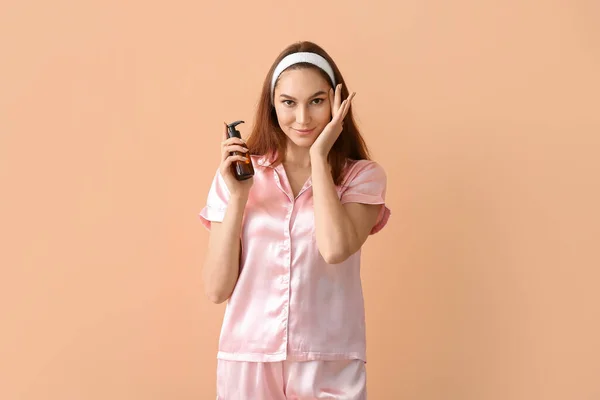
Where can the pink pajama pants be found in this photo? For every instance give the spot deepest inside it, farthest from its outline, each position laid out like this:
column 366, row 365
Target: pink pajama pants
column 301, row 380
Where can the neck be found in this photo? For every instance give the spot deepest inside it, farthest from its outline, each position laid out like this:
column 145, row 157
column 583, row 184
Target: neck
column 298, row 157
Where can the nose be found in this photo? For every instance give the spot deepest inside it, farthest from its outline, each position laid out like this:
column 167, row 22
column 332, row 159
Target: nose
column 302, row 115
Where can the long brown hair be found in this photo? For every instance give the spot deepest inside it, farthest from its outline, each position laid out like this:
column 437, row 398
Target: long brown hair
column 267, row 138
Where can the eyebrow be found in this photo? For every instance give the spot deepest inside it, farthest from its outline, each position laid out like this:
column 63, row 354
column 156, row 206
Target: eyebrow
column 319, row 93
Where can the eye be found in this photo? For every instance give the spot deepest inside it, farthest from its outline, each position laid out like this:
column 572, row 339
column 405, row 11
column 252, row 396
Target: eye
column 288, row 103
column 318, row 101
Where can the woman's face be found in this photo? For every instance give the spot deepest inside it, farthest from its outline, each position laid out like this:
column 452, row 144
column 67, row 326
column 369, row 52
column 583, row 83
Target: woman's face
column 301, row 99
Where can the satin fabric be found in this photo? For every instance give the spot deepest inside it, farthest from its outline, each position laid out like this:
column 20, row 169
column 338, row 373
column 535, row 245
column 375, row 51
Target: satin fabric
column 333, row 380
column 288, row 303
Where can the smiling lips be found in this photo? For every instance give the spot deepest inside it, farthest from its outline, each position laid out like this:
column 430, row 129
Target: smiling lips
column 304, row 131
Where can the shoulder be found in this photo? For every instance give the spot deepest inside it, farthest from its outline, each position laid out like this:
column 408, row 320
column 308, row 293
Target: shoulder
column 363, row 170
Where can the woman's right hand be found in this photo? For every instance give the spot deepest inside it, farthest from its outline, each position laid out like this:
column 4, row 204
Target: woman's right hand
column 229, row 145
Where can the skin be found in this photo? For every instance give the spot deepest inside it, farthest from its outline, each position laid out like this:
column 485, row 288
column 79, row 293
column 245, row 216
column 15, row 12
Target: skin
column 310, row 113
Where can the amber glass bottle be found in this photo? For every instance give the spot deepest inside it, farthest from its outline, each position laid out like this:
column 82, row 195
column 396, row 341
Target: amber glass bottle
column 241, row 170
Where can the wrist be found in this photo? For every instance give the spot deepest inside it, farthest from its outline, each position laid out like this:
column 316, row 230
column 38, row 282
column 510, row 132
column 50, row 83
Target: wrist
column 320, row 165
column 239, row 198
column 318, row 158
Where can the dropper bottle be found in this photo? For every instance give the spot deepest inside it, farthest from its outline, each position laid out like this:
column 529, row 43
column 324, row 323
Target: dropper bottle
column 241, row 170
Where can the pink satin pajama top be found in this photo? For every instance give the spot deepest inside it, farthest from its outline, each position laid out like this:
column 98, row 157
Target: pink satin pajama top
column 288, row 303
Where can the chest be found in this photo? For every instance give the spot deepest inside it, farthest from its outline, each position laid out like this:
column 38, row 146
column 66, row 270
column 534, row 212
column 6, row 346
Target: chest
column 297, row 178
column 280, row 208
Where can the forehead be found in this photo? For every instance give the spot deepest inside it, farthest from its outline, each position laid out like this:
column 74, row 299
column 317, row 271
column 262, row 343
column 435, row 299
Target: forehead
column 301, row 82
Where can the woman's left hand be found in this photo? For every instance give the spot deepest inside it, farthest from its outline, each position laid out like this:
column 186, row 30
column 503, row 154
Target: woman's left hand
column 339, row 109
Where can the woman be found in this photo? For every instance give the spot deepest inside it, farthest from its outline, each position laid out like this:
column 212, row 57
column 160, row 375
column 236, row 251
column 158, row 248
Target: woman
column 284, row 246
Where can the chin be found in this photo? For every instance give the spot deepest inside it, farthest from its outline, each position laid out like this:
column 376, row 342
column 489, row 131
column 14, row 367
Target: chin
column 301, row 140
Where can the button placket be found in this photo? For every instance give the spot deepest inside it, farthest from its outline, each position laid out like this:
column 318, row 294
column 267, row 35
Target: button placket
column 287, row 248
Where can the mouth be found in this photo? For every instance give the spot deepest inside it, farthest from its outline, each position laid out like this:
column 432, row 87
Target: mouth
column 305, row 131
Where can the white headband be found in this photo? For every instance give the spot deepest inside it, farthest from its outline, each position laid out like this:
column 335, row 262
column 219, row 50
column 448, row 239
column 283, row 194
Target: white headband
column 302, row 57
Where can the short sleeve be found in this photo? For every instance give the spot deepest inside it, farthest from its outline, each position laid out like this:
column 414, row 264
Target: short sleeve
column 216, row 202
column 366, row 182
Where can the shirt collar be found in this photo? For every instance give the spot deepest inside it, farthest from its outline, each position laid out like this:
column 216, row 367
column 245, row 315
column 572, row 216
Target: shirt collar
column 266, row 161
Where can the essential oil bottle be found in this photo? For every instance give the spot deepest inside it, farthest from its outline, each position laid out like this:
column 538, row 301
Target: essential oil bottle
column 241, row 170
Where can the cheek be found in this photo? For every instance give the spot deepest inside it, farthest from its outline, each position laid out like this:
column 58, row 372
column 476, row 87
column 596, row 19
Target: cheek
column 323, row 115
column 284, row 116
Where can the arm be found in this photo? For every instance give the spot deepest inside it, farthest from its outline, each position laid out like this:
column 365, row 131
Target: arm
column 222, row 262
column 341, row 230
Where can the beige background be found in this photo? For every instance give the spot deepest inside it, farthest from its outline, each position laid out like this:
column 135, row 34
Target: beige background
column 486, row 115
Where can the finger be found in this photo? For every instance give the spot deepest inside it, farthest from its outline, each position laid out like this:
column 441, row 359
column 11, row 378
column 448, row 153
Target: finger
column 338, row 97
column 224, row 154
column 235, row 147
column 348, row 105
column 351, row 97
column 226, row 165
column 228, row 151
column 331, row 99
column 342, row 108
column 235, row 140
column 338, row 115
column 231, row 159
column 232, row 141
